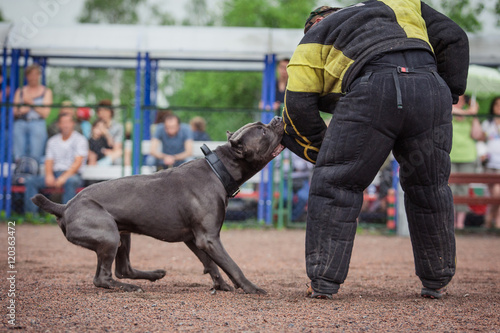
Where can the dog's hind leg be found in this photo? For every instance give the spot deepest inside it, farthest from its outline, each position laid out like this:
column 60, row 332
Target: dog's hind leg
column 210, row 268
column 124, row 270
column 99, row 234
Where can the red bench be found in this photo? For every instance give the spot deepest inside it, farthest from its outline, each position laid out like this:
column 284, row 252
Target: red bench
column 481, row 178
column 46, row 190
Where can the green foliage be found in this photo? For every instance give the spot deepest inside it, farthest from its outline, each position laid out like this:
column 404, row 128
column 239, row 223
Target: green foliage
column 264, row 13
column 464, row 13
column 219, row 90
column 238, row 89
column 235, row 90
column 497, row 12
column 111, row 11
column 199, row 14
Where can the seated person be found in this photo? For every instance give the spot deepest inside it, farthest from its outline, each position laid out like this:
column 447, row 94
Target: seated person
column 176, row 143
column 67, row 107
column 65, row 154
column 106, row 113
column 301, row 179
column 198, row 125
column 83, row 115
column 100, row 145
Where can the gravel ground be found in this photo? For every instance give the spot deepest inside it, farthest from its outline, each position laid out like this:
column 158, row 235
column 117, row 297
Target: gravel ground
column 54, row 290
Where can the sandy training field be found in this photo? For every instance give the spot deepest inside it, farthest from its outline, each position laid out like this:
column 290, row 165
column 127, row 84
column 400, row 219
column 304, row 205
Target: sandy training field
column 54, row 290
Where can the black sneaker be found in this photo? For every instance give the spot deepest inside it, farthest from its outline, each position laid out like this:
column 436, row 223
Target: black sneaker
column 314, row 294
column 433, row 293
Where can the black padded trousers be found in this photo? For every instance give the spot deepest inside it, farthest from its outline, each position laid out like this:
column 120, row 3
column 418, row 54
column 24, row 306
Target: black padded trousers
column 366, row 125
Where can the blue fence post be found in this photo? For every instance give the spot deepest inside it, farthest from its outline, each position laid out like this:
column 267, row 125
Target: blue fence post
column 395, row 183
column 264, row 100
column 3, row 128
column 137, row 118
column 147, row 98
column 26, row 57
column 154, row 86
column 14, row 72
column 271, row 77
column 44, row 74
column 264, row 212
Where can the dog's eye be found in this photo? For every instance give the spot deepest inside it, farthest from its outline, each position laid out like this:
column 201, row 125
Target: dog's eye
column 263, row 131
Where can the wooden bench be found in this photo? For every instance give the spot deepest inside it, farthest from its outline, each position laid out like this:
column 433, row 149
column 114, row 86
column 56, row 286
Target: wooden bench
column 469, row 178
column 45, row 190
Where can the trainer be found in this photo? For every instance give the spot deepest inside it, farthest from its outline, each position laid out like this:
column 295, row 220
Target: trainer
column 388, row 71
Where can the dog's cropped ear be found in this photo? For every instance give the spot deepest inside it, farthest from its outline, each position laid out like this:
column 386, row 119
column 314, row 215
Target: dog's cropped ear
column 238, row 148
column 229, row 134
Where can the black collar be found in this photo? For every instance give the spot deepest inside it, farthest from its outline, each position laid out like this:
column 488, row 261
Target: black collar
column 220, row 170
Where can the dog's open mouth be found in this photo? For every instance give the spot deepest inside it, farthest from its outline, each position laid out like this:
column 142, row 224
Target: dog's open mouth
column 278, row 150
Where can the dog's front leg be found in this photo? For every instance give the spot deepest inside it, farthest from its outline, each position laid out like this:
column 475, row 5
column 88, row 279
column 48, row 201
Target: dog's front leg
column 212, row 245
column 209, row 267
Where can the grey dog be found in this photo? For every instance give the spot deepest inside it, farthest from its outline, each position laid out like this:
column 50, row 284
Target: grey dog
column 183, row 204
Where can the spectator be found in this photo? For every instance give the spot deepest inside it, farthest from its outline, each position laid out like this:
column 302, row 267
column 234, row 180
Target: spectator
column 66, row 153
column 83, row 115
column 67, row 108
column 159, row 120
column 491, row 129
column 463, row 155
column 281, row 81
column 106, row 113
column 301, row 178
column 30, row 131
column 176, row 142
column 198, row 126
column 100, row 145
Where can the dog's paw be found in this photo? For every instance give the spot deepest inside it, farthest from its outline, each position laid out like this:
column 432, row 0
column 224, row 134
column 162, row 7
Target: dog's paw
column 223, row 286
column 131, row 288
column 253, row 289
column 260, row 291
column 158, row 274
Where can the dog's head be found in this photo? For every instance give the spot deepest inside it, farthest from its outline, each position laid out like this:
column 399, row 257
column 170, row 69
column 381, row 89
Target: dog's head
column 257, row 143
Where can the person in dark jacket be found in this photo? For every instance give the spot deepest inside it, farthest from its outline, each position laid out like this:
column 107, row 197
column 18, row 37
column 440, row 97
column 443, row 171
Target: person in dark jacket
column 389, row 72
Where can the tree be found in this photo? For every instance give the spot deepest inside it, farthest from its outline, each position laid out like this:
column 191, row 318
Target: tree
column 199, row 14
column 241, row 90
column 265, row 13
column 111, row 11
column 464, row 12
column 236, row 90
column 89, row 85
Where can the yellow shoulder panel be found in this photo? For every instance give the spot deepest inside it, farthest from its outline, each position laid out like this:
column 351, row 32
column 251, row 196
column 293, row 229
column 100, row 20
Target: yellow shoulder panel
column 317, row 68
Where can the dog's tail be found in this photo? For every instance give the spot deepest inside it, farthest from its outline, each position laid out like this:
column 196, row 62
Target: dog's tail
column 48, row 206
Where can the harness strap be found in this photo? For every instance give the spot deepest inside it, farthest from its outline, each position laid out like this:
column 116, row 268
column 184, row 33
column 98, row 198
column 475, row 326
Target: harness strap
column 399, row 99
column 231, row 186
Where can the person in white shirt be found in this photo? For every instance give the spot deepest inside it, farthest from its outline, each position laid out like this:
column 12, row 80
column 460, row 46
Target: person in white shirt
column 65, row 154
column 491, row 129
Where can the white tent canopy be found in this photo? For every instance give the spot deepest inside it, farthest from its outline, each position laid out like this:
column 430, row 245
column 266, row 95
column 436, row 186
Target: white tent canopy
column 175, row 46
column 186, row 47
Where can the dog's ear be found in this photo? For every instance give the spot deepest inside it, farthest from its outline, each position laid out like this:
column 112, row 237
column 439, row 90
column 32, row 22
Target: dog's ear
column 229, row 134
column 238, row 148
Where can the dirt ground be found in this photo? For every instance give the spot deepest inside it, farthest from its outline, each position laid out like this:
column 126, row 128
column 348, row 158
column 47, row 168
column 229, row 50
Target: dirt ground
column 54, row 290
